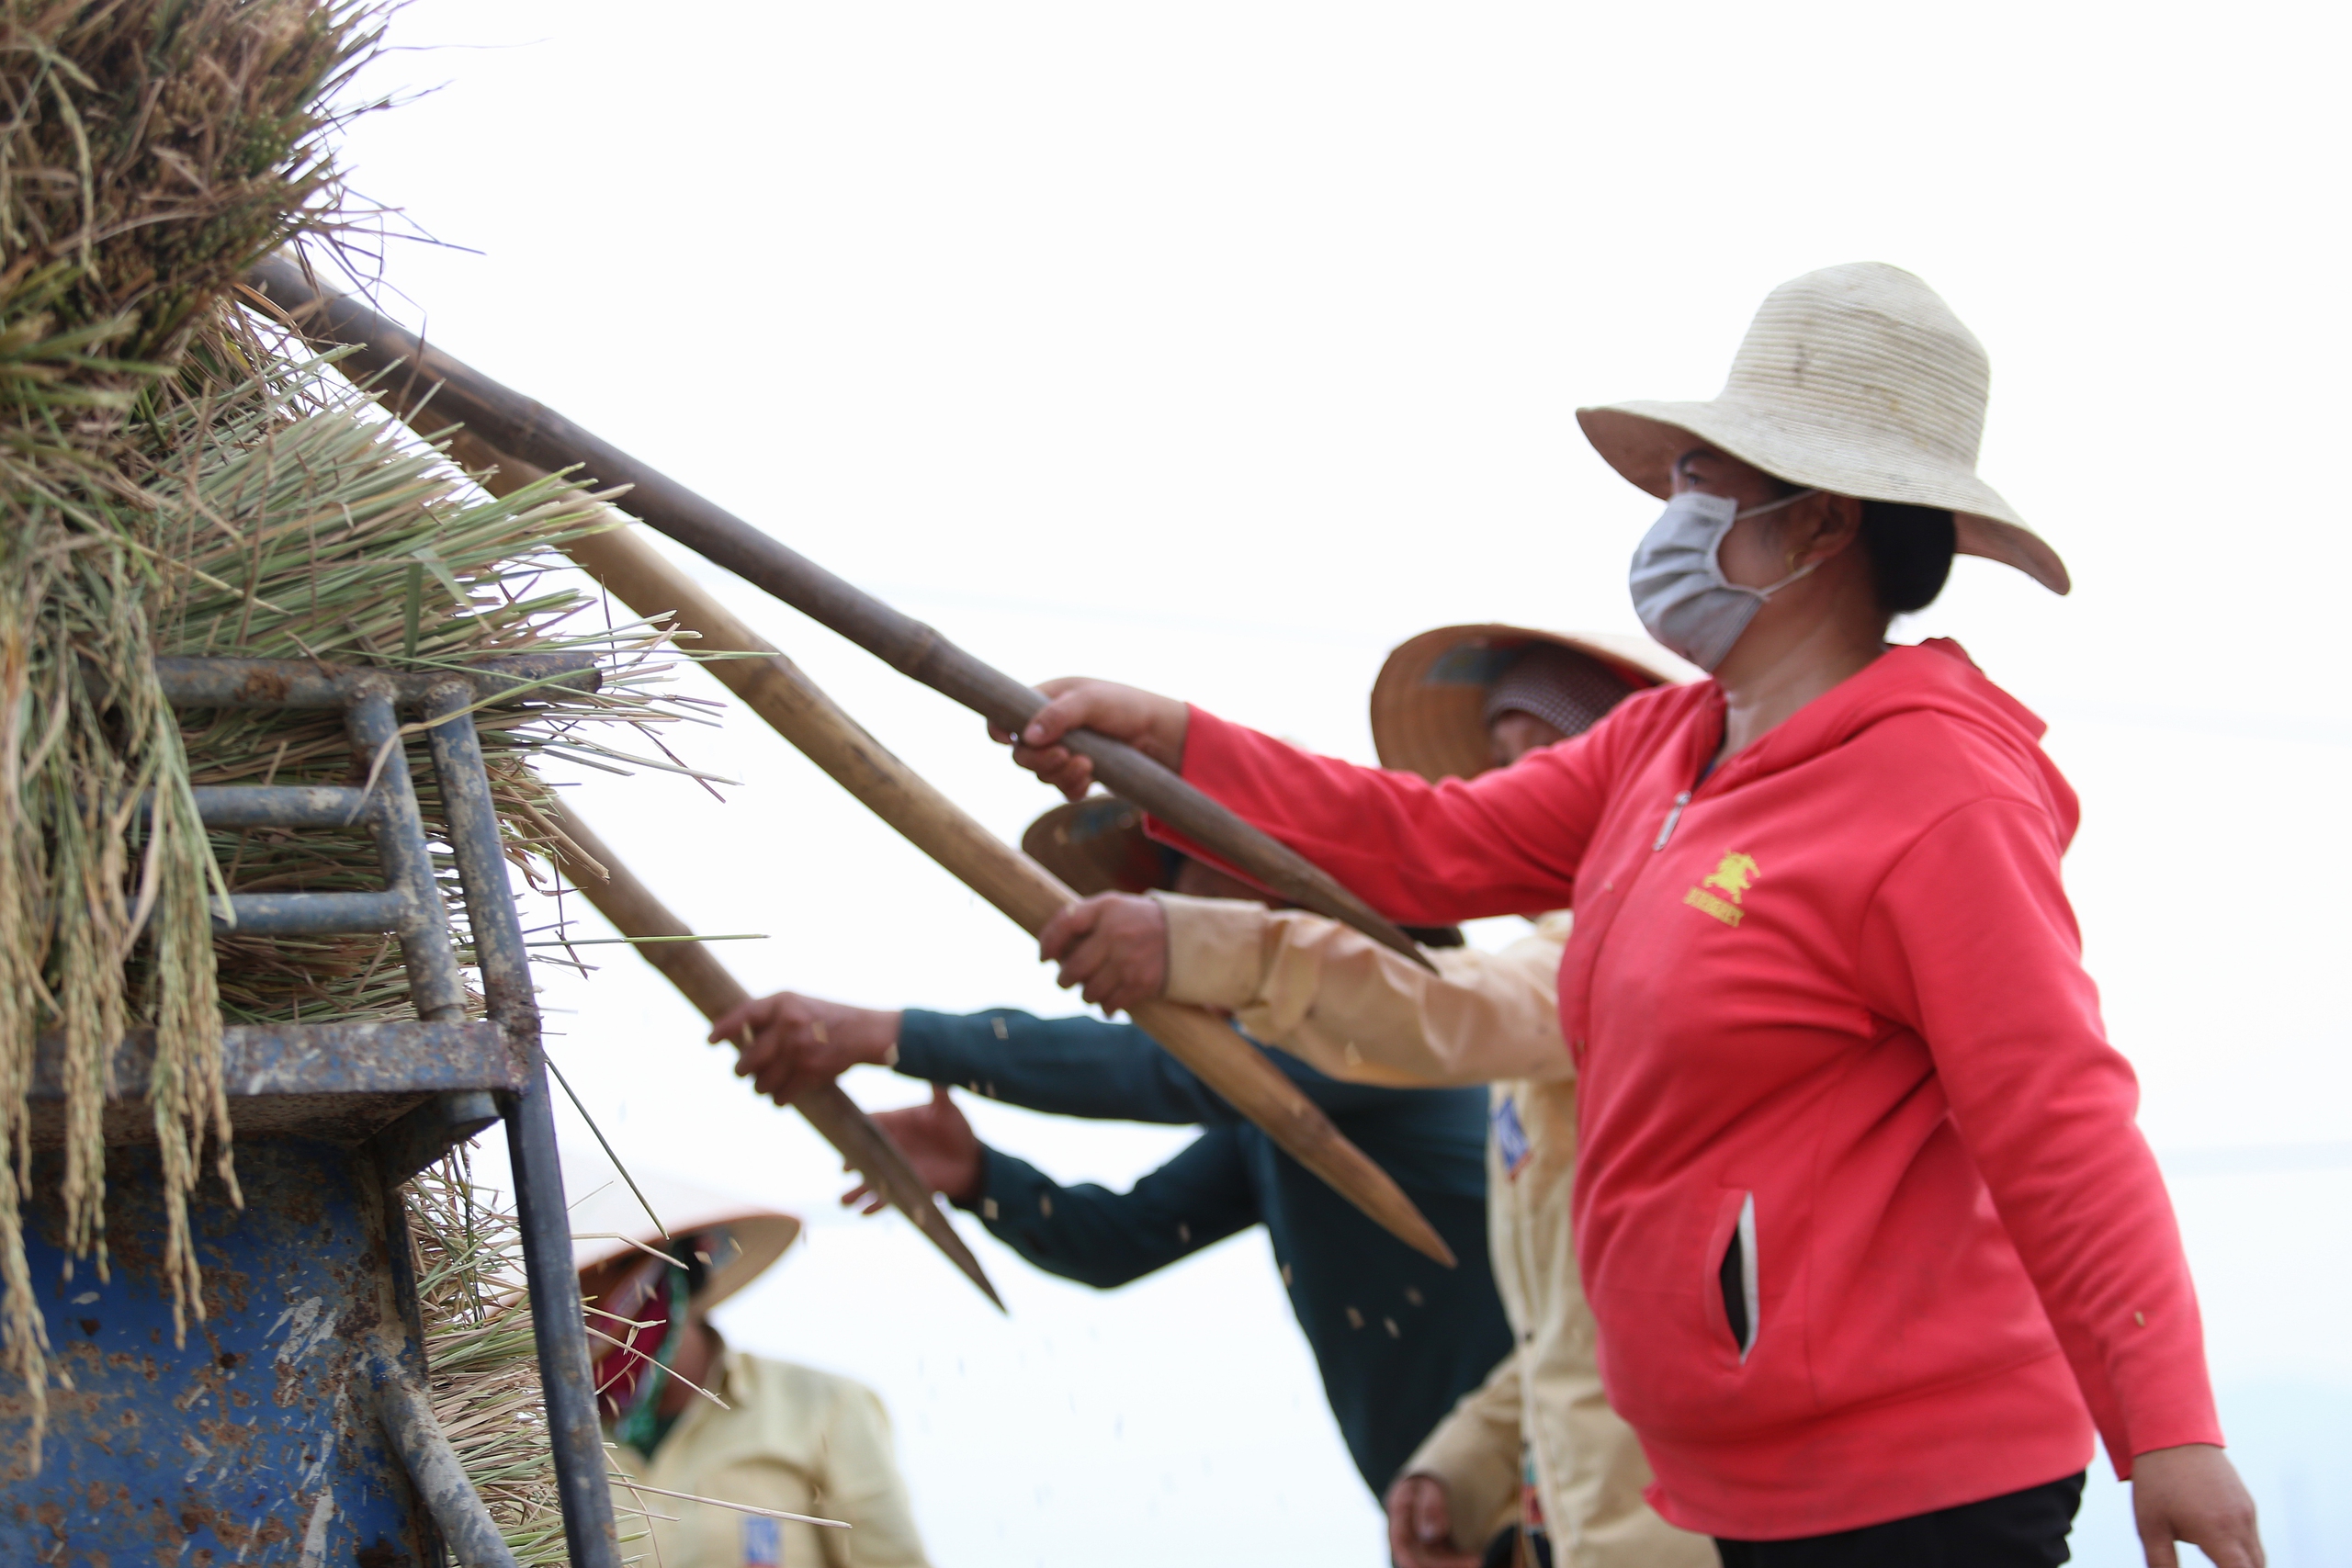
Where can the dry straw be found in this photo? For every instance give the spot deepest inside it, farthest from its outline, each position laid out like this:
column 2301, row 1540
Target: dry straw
column 485, row 1376
column 149, row 153
column 175, row 479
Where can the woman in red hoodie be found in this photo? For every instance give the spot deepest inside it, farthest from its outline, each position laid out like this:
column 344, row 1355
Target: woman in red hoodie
column 1872, row 1238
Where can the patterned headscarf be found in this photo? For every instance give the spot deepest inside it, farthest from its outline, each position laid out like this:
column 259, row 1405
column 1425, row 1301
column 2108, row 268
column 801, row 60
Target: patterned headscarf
column 641, row 1329
column 1562, row 687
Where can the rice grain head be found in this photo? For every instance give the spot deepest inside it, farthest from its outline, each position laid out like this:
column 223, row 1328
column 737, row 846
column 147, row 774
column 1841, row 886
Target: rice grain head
column 177, row 477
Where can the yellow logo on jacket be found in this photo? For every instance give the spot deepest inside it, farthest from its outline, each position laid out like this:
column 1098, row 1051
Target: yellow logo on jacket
column 1733, row 876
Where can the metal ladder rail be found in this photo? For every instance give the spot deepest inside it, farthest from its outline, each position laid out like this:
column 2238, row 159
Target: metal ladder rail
column 565, row 1366
column 410, row 907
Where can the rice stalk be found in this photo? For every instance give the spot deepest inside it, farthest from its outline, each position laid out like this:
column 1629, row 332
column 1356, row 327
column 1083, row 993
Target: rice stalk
column 484, row 1382
column 150, row 152
column 178, row 478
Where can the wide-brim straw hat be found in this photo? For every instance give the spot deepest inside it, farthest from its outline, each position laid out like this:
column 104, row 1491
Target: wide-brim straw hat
column 608, row 1221
column 1429, row 706
column 1855, row 380
column 1097, row 845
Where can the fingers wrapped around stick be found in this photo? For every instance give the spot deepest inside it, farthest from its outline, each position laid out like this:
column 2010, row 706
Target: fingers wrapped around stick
column 1112, row 948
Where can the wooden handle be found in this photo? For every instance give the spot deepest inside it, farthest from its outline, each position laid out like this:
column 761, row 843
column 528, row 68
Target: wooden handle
column 634, row 910
column 408, row 372
column 775, row 689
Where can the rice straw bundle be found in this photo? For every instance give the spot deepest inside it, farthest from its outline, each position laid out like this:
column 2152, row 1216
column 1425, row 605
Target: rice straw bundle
column 319, row 530
column 150, row 151
column 178, row 477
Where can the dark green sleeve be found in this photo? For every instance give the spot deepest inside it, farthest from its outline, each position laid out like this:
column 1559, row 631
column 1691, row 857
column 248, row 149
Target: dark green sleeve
column 1065, row 1067
column 1103, row 1238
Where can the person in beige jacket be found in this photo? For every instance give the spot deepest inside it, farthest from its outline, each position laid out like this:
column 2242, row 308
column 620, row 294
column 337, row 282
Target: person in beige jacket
column 1533, row 1467
column 710, row 1446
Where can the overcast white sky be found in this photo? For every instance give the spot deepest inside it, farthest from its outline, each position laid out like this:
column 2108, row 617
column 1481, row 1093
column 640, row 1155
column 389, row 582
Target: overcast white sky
column 1219, row 348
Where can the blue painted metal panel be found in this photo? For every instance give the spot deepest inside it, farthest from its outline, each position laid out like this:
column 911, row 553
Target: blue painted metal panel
column 256, row 1442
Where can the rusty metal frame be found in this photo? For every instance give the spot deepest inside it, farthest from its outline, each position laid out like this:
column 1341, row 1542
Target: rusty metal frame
column 478, row 1072
column 565, row 1374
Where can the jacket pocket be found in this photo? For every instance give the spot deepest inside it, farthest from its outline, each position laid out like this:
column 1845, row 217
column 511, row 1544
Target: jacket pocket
column 1735, row 1278
column 1675, row 1352
column 1730, row 1312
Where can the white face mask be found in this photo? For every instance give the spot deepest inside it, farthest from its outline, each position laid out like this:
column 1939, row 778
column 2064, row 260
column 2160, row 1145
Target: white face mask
column 1678, row 582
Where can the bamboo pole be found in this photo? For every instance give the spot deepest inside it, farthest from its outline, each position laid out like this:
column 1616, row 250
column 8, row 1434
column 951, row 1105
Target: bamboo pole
column 775, row 689
column 411, row 372
column 635, row 911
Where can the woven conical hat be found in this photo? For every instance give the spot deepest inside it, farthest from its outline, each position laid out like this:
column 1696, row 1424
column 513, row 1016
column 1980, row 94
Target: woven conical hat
column 1097, row 845
column 1855, row 380
column 606, row 1219
column 1429, row 706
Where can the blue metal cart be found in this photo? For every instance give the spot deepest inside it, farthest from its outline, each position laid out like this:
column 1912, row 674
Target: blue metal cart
column 291, row 1425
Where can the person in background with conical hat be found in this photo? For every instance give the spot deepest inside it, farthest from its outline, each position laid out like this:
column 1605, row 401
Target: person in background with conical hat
column 1536, row 1447
column 1396, row 1337
column 1873, row 1240
column 789, row 1439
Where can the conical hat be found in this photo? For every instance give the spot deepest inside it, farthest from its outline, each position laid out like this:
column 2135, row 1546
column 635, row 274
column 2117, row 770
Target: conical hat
column 1855, row 380
column 1097, row 845
column 606, row 1218
column 1429, row 706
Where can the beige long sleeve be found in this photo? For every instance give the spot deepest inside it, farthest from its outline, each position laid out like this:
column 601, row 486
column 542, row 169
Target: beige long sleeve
column 1475, row 1452
column 1356, row 1010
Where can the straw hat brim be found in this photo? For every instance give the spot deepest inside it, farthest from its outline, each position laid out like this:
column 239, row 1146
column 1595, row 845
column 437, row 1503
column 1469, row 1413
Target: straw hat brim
column 611, row 1212
column 1641, row 440
column 1429, row 706
column 1097, row 845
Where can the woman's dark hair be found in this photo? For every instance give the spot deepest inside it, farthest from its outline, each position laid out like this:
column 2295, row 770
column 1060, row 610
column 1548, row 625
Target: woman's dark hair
column 1910, row 550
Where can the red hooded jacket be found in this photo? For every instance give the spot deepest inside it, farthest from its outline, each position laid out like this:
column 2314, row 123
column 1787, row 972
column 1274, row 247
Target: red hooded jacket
column 1838, row 991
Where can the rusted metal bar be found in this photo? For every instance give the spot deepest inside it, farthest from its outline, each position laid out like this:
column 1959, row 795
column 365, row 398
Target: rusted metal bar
column 408, row 372
column 783, row 694
column 438, row 1475
column 280, row 806
column 545, row 1221
column 357, row 1056
column 315, row 914
column 299, row 683
column 435, row 985
column 635, row 911
column 385, row 1066
column 434, row 1128
column 481, row 850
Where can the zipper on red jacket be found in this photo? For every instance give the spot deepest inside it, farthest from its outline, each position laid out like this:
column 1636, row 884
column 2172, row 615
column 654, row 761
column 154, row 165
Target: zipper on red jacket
column 1671, row 818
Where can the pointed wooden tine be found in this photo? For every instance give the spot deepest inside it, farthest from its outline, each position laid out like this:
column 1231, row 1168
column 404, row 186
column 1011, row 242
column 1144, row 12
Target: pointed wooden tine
column 635, row 911
column 410, row 372
column 779, row 691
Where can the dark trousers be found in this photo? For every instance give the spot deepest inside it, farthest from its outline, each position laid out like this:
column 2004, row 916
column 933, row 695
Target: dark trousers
column 2021, row 1529
column 1513, row 1548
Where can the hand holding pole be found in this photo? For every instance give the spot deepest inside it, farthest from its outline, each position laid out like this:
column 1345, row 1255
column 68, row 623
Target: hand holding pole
column 634, row 912
column 776, row 689
column 410, row 373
